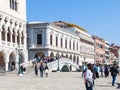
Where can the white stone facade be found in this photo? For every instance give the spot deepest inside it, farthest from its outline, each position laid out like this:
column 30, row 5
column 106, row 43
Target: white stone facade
column 12, row 34
column 65, row 42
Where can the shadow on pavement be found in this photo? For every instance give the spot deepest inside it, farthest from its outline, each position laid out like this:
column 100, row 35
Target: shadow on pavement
column 2, row 74
column 103, row 85
column 118, row 85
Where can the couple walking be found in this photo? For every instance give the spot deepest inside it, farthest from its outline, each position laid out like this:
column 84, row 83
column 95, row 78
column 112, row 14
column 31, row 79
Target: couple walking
column 43, row 68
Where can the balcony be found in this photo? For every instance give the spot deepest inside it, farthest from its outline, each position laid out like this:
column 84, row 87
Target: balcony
column 5, row 44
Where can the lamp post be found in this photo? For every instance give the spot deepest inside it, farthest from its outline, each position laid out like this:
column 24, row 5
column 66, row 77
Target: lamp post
column 19, row 59
column 58, row 68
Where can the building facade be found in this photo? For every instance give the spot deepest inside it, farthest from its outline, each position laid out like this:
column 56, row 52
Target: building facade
column 99, row 50
column 12, row 34
column 58, row 38
column 115, row 53
column 107, row 52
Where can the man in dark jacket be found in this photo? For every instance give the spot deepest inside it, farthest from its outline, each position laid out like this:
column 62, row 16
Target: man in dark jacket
column 114, row 72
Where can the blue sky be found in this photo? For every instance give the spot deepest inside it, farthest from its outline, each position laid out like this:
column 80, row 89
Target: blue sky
column 99, row 17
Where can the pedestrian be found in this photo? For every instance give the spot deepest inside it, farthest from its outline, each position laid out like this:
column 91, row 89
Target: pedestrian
column 21, row 69
column 24, row 70
column 101, row 70
column 88, row 77
column 36, row 70
column 41, row 68
column 106, row 71
column 46, row 70
column 83, row 69
column 96, row 71
column 114, row 72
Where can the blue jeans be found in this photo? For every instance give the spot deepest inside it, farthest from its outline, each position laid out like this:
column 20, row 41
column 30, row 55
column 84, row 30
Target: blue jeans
column 41, row 73
column 88, row 88
column 113, row 80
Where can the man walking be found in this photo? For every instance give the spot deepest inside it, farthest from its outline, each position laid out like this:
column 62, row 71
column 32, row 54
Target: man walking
column 114, row 72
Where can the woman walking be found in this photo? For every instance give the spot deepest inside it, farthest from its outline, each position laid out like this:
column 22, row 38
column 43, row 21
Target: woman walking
column 41, row 67
column 46, row 70
column 88, row 77
column 36, row 70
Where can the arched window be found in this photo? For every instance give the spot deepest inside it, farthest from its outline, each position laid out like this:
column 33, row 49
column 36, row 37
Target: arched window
column 8, row 36
column 13, row 37
column 22, row 39
column 3, row 35
column 18, row 38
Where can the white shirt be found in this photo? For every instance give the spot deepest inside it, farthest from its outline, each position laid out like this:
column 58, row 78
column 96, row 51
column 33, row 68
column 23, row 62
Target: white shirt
column 88, row 74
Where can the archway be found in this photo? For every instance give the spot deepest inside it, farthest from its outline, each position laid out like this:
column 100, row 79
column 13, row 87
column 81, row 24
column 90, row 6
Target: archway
column 11, row 64
column 77, row 60
column 51, row 55
column 66, row 55
column 39, row 55
column 2, row 63
column 62, row 55
column 71, row 57
column 71, row 65
column 74, row 59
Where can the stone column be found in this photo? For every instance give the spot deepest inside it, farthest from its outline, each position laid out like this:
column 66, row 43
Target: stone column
column 16, row 61
column 47, row 38
column 16, row 65
column 0, row 37
column 25, row 41
column 6, row 65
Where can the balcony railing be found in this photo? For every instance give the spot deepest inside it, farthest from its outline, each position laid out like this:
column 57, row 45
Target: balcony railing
column 9, row 44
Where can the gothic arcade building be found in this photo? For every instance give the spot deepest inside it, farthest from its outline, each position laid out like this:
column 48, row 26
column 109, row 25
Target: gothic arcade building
column 12, row 34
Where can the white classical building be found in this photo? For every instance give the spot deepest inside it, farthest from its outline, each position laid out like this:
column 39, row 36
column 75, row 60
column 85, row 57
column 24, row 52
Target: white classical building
column 60, row 38
column 12, row 34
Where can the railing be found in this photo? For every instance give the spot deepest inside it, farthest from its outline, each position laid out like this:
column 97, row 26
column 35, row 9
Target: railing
column 62, row 61
column 28, row 63
column 11, row 44
column 3, row 43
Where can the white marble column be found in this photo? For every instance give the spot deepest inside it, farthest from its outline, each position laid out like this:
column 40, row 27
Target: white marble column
column 25, row 41
column 0, row 37
column 6, row 65
column 16, row 59
column 47, row 38
column 0, row 31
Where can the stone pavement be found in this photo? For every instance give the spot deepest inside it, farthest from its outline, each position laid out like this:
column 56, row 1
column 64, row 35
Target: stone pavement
column 55, row 81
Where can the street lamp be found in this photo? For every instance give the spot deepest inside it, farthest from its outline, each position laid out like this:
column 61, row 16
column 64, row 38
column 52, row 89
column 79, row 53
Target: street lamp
column 84, row 57
column 57, row 57
column 19, row 59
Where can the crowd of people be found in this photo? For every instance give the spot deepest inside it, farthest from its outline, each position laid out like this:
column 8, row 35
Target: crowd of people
column 41, row 68
column 92, row 72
